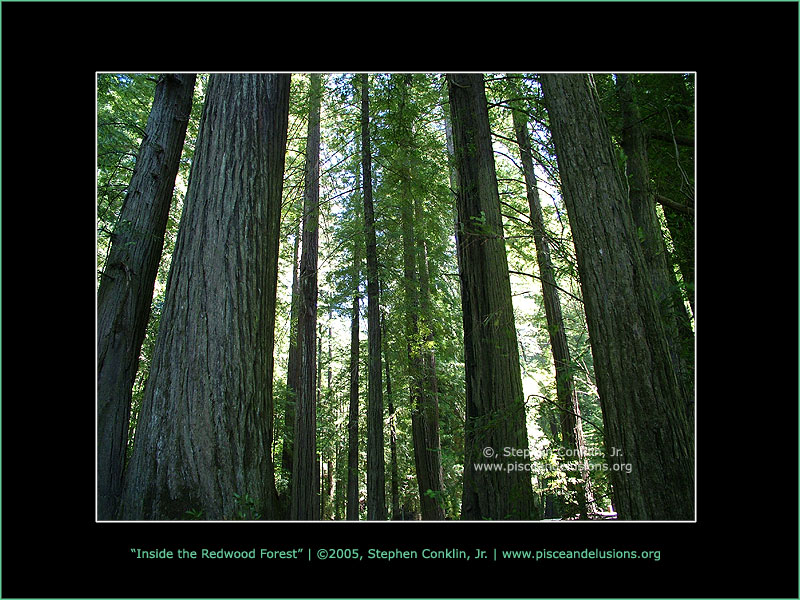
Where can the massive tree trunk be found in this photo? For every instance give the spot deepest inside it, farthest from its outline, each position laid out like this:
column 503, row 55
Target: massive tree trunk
column 662, row 276
column 305, row 482
column 648, row 437
column 495, row 418
column 126, row 286
column 569, row 408
column 376, row 476
column 205, row 428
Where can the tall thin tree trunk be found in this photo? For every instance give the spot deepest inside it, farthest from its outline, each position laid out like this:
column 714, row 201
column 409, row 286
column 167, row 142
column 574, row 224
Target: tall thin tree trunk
column 320, row 462
column 205, row 428
column 452, row 173
column 329, row 491
column 413, row 349
column 649, row 441
column 352, row 421
column 395, row 470
column 329, row 396
column 341, row 466
column 431, row 485
column 305, row 479
column 376, row 477
column 126, row 287
column 496, row 416
column 569, row 408
column 421, row 374
column 352, row 504
column 292, row 372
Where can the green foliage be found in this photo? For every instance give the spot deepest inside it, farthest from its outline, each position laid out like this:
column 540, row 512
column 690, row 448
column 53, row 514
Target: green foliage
column 193, row 515
column 246, row 508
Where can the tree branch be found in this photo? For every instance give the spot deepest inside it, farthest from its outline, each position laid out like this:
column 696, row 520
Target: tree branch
column 681, row 140
column 664, row 201
column 597, row 426
column 548, row 283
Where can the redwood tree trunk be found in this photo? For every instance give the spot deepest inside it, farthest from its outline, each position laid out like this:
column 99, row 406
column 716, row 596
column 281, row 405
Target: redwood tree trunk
column 669, row 299
column 376, row 469
column 569, row 408
column 430, row 462
column 292, row 374
column 495, row 417
column 394, row 485
column 305, row 482
column 421, row 372
column 126, row 287
column 646, row 428
column 352, row 420
column 205, row 428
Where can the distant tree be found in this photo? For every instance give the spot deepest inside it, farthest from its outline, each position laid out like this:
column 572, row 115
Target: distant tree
column 376, row 469
column 568, row 405
column 415, row 285
column 352, row 420
column 305, row 489
column 292, row 369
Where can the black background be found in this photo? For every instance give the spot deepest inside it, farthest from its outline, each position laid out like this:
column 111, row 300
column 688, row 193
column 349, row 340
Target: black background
column 744, row 543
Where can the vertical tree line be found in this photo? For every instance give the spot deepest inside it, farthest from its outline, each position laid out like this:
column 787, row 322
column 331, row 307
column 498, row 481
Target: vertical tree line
column 521, row 244
column 126, row 285
column 644, row 407
column 206, row 417
column 304, row 498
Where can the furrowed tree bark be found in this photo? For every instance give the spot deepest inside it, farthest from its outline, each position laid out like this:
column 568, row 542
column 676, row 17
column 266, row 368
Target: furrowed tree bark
column 305, row 479
column 646, row 427
column 669, row 299
column 205, row 428
column 569, row 408
column 495, row 413
column 126, row 286
column 376, row 475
